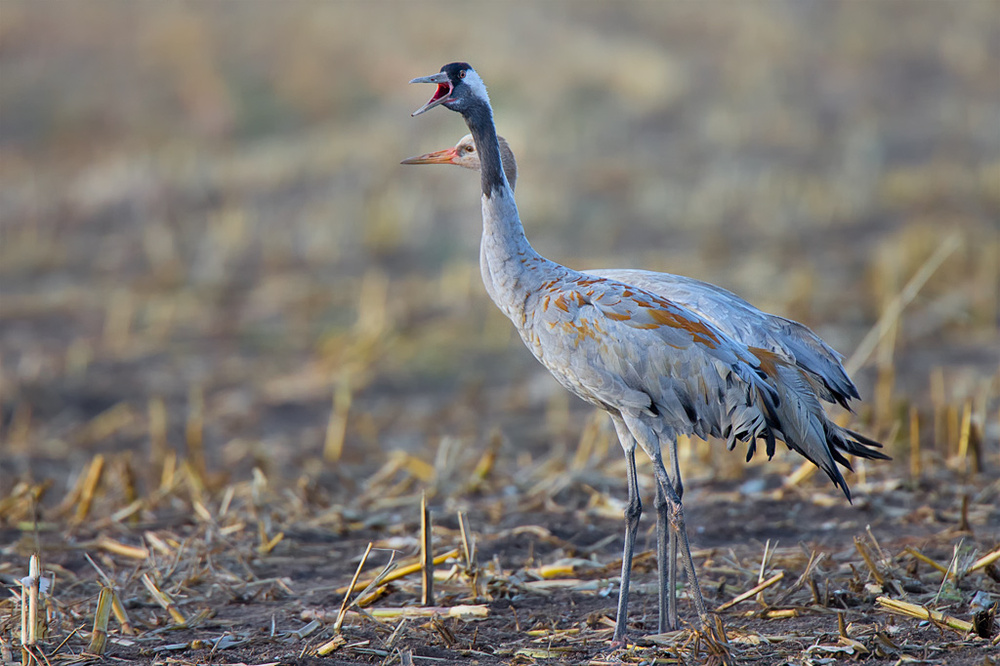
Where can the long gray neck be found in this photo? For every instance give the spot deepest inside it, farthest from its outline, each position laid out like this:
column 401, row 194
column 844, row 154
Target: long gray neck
column 511, row 268
column 479, row 118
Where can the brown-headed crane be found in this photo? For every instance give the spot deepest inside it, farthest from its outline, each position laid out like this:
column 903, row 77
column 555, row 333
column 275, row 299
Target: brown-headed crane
column 664, row 355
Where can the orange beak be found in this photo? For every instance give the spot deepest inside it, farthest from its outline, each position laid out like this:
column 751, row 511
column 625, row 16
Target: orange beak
column 447, row 156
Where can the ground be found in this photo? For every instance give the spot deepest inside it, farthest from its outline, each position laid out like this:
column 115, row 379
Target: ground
column 239, row 342
column 545, row 581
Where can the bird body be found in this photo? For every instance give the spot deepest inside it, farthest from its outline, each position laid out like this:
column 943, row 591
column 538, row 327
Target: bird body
column 821, row 372
column 662, row 354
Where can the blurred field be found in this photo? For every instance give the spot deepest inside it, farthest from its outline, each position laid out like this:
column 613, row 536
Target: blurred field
column 223, row 299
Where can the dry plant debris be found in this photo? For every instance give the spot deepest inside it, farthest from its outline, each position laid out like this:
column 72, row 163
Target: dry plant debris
column 238, row 343
column 883, row 598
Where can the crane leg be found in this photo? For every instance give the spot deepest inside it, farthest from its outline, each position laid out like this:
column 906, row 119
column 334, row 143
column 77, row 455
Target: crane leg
column 650, row 443
column 666, row 560
column 666, row 540
column 633, row 510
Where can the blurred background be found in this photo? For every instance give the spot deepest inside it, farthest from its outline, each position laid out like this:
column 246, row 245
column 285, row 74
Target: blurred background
column 210, row 255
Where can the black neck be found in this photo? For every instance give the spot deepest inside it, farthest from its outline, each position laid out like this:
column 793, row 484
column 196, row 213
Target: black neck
column 479, row 118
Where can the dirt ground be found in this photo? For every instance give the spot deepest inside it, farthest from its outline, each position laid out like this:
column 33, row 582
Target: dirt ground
column 238, row 341
column 545, row 580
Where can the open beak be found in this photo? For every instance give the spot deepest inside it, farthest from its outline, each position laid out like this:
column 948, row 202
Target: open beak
column 442, row 94
column 446, row 156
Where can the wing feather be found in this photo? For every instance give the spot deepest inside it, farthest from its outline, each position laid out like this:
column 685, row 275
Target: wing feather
column 751, row 326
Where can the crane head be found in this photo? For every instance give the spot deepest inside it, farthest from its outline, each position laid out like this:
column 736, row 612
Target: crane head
column 464, row 154
column 457, row 85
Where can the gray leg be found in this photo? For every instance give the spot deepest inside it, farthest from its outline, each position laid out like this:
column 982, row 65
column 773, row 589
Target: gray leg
column 633, row 510
column 675, row 478
column 675, row 511
column 666, row 565
column 666, row 539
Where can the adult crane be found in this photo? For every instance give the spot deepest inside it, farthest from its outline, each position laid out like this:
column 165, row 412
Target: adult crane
column 659, row 368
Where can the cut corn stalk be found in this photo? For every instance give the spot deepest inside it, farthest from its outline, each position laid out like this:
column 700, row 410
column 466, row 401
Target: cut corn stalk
column 232, row 529
column 121, row 615
column 546, row 633
column 752, row 591
column 34, row 575
column 420, row 469
column 331, row 645
column 370, row 595
column 926, row 560
column 914, row 442
column 201, row 511
column 158, row 544
column 857, row 646
column 869, row 561
column 169, row 472
column 985, row 560
column 118, row 548
column 921, row 613
column 164, row 600
column 350, row 589
column 426, row 554
column 89, row 487
column 488, row 460
column 768, row 551
column 468, row 545
column 560, row 569
column 266, row 544
column 129, row 511
column 336, row 427
column 463, row 612
column 25, row 615
column 402, row 572
column 544, row 653
column 99, row 636
column 801, row 474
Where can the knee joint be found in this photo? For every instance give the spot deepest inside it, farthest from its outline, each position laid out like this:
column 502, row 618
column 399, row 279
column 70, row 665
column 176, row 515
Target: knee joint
column 633, row 510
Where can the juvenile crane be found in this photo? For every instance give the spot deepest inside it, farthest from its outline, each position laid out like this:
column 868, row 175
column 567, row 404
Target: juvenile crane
column 662, row 354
